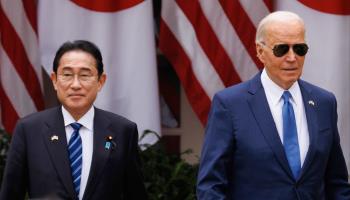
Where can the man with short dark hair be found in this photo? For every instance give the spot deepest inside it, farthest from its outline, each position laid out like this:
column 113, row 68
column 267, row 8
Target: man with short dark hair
column 274, row 137
column 74, row 151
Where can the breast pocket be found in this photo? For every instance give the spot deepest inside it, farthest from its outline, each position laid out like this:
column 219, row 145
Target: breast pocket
column 325, row 130
column 324, row 140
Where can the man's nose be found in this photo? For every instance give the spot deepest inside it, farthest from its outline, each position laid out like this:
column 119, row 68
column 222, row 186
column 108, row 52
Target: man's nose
column 76, row 82
column 291, row 56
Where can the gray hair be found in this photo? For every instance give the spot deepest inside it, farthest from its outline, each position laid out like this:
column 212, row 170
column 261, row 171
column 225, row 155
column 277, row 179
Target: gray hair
column 279, row 16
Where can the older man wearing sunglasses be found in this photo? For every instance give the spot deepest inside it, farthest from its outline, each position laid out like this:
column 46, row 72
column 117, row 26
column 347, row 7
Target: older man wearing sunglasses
column 275, row 136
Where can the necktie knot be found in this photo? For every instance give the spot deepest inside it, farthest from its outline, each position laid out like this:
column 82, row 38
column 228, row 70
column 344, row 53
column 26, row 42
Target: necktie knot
column 286, row 96
column 76, row 126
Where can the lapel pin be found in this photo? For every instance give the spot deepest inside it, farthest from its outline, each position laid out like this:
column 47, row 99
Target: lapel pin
column 108, row 145
column 311, row 103
column 108, row 142
column 54, row 138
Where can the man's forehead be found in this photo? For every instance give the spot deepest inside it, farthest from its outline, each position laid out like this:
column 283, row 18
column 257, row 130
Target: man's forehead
column 77, row 58
column 288, row 24
column 280, row 30
column 70, row 68
column 77, row 53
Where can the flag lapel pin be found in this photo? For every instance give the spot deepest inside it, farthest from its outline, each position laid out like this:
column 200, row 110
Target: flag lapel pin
column 54, row 138
column 312, row 103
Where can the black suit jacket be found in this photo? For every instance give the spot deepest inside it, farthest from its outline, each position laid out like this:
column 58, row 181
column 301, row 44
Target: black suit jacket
column 40, row 166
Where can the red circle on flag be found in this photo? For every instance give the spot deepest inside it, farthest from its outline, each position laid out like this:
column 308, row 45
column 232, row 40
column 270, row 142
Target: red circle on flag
column 338, row 7
column 106, row 5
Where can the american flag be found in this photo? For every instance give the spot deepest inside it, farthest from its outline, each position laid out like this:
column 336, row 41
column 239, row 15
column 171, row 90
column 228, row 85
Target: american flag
column 211, row 44
column 20, row 70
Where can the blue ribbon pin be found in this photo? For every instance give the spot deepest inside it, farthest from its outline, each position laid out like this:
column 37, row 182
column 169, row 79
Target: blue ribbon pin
column 108, row 143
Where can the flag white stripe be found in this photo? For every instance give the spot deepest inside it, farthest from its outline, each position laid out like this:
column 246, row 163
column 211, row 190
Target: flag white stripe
column 256, row 10
column 14, row 87
column 15, row 12
column 185, row 35
column 244, row 65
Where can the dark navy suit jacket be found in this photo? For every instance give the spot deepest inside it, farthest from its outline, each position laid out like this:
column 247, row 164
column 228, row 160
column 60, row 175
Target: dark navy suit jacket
column 243, row 157
column 40, row 166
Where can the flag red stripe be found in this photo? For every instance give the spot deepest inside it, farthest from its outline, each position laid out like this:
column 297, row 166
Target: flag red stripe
column 9, row 115
column 15, row 50
column 269, row 5
column 171, row 48
column 30, row 7
column 209, row 42
column 243, row 25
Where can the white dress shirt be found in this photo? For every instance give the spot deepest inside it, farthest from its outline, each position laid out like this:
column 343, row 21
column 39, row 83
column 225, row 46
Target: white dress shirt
column 86, row 134
column 273, row 94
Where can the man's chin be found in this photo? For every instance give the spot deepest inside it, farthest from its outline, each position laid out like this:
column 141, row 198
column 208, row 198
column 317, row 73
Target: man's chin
column 75, row 98
column 291, row 78
column 74, row 106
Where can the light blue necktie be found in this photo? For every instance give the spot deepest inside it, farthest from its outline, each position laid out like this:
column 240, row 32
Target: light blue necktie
column 75, row 156
column 290, row 136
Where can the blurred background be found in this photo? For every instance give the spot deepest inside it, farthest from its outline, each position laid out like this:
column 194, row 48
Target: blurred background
column 164, row 60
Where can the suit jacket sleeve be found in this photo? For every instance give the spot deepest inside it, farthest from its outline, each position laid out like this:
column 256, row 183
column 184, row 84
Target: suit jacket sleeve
column 15, row 174
column 135, row 188
column 337, row 185
column 217, row 154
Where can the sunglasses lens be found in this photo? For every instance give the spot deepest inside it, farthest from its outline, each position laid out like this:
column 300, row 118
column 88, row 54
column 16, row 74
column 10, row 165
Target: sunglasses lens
column 300, row 49
column 280, row 50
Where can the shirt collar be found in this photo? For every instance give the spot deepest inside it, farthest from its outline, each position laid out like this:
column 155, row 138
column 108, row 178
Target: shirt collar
column 275, row 91
column 86, row 120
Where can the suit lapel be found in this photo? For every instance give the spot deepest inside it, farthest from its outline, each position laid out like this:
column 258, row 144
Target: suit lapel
column 57, row 149
column 312, row 123
column 260, row 108
column 100, row 153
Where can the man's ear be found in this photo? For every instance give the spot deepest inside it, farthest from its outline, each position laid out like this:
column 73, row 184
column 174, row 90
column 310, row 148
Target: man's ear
column 259, row 52
column 101, row 81
column 54, row 79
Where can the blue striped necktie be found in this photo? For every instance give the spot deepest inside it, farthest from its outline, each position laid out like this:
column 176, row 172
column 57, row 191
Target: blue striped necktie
column 75, row 156
column 290, row 136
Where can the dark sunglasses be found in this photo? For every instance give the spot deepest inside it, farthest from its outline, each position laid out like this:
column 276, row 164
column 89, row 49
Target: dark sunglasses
column 280, row 50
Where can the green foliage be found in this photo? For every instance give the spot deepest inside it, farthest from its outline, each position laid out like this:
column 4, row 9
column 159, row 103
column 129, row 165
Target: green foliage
column 167, row 177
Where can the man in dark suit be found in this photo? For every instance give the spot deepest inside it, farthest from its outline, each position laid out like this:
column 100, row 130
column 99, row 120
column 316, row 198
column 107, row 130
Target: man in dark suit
column 275, row 136
column 74, row 151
